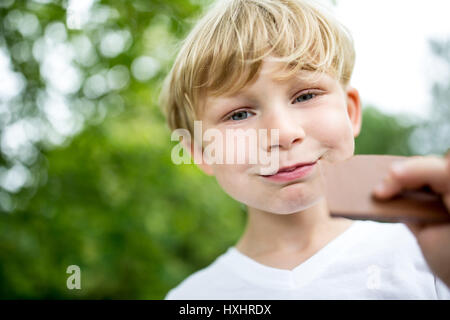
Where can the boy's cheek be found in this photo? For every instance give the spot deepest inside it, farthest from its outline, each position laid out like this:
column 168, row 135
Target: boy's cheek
column 334, row 131
column 228, row 150
column 231, row 179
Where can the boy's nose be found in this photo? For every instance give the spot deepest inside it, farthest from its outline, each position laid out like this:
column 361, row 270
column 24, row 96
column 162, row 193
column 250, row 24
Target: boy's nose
column 290, row 131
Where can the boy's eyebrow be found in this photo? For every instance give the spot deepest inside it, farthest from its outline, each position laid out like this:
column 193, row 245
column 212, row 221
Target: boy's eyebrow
column 218, row 104
column 293, row 83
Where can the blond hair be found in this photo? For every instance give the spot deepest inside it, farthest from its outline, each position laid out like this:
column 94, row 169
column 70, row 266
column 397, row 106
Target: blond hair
column 224, row 51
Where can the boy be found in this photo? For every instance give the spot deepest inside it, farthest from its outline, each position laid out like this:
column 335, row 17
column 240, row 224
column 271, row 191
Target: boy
column 285, row 65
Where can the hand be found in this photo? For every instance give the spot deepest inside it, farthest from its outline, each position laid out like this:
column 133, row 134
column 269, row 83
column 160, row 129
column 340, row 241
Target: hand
column 414, row 173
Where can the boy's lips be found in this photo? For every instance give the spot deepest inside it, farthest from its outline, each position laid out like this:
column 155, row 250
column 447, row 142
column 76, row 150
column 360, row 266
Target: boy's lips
column 295, row 166
column 291, row 173
column 291, row 167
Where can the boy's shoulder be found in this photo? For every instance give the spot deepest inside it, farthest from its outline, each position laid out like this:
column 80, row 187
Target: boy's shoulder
column 388, row 241
column 213, row 278
column 382, row 232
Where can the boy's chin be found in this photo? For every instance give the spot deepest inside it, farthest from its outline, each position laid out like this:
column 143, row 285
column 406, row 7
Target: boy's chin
column 289, row 207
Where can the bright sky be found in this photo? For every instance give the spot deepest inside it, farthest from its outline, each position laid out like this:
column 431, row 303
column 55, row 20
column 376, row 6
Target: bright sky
column 394, row 67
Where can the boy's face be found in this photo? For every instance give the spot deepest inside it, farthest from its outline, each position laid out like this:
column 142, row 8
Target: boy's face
column 317, row 121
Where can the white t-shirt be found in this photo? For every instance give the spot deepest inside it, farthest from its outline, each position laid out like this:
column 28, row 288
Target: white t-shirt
column 369, row 260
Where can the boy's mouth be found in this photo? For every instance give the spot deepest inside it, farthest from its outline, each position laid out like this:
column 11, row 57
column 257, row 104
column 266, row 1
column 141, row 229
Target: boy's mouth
column 295, row 166
column 292, row 172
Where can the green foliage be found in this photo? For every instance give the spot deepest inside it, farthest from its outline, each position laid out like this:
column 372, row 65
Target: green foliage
column 383, row 134
column 116, row 206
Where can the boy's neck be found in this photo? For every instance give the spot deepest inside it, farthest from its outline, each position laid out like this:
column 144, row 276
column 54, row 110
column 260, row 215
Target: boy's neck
column 269, row 234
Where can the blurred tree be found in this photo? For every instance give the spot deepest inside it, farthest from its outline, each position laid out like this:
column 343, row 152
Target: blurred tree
column 432, row 136
column 83, row 182
column 384, row 134
column 65, row 65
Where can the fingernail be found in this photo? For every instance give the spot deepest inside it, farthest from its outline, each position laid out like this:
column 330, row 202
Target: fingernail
column 397, row 167
column 380, row 188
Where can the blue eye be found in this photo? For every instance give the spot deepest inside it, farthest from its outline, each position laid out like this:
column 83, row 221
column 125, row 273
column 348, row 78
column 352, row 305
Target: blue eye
column 240, row 115
column 305, row 97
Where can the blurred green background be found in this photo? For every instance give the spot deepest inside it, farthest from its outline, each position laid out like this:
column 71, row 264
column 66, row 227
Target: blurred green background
column 85, row 171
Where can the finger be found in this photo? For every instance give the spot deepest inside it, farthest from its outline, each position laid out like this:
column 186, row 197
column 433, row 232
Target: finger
column 415, row 173
column 388, row 187
column 420, row 171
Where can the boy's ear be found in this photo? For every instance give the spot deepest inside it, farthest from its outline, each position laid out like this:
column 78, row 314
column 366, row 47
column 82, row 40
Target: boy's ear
column 354, row 109
column 196, row 152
